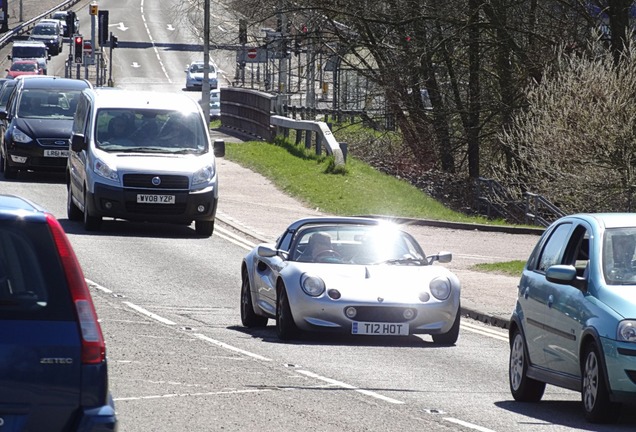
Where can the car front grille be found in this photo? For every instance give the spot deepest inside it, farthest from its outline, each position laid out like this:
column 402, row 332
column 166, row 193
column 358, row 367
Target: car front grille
column 392, row 314
column 54, row 142
column 145, row 181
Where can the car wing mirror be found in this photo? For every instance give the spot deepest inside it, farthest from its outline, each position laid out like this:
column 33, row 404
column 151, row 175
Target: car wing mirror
column 442, row 257
column 4, row 114
column 269, row 251
column 561, row 274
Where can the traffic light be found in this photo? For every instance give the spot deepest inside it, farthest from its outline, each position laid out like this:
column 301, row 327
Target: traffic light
column 102, row 21
column 113, row 41
column 70, row 23
column 78, row 43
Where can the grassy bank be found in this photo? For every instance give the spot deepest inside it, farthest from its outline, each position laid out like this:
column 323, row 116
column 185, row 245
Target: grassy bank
column 362, row 190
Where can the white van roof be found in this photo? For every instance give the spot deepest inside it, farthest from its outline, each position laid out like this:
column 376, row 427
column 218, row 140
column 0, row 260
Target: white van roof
column 108, row 97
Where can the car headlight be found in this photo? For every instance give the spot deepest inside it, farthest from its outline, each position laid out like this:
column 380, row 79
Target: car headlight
column 102, row 169
column 440, row 288
column 18, row 136
column 626, row 331
column 312, row 285
column 204, row 175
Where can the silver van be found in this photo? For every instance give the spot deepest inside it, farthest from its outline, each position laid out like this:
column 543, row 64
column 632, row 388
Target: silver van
column 30, row 50
column 142, row 156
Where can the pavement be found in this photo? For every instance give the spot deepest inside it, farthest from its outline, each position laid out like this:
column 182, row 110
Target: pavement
column 252, row 205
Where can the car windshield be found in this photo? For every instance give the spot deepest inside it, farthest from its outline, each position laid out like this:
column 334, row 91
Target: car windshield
column 619, row 265
column 48, row 103
column 356, row 244
column 44, row 30
column 198, row 68
column 150, row 131
column 30, row 67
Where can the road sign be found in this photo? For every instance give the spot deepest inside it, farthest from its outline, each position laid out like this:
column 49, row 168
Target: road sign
column 251, row 55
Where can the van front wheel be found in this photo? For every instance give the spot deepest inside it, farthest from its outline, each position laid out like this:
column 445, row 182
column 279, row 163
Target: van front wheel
column 204, row 228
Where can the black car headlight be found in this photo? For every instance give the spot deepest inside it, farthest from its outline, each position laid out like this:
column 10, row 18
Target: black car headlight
column 312, row 285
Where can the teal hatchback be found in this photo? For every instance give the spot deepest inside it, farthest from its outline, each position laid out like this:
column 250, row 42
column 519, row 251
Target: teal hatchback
column 574, row 324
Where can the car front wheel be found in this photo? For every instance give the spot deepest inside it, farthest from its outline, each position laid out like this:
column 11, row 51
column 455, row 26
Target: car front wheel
column 9, row 172
column 594, row 389
column 523, row 389
column 248, row 317
column 285, row 325
column 450, row 337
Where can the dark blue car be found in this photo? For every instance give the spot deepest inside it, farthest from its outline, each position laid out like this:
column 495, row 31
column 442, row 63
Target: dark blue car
column 37, row 124
column 53, row 369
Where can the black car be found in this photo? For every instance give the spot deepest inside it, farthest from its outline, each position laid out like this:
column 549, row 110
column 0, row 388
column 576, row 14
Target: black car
column 50, row 33
column 53, row 366
column 37, row 124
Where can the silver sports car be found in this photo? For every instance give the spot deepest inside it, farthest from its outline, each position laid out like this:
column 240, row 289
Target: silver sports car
column 359, row 276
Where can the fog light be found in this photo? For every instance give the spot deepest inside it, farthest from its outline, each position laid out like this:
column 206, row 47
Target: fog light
column 108, row 205
column 408, row 314
column 201, row 208
column 18, row 159
column 334, row 294
column 351, row 312
column 424, row 297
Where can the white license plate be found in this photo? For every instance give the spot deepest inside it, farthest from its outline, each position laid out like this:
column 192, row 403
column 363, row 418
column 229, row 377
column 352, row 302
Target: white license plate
column 56, row 153
column 380, row 329
column 155, row 199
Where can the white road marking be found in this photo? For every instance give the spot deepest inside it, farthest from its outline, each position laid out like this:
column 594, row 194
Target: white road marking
column 233, row 238
column 231, row 348
column 122, row 399
column 152, row 41
column 492, row 333
column 148, row 313
column 468, row 425
column 348, row 386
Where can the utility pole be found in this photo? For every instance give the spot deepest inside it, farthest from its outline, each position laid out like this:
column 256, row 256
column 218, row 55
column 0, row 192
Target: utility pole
column 282, row 58
column 205, row 88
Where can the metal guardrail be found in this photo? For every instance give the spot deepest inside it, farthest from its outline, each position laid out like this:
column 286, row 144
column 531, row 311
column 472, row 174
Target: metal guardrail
column 495, row 201
column 322, row 131
column 253, row 113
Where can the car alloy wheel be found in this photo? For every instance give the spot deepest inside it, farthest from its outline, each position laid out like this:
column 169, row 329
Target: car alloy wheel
column 248, row 317
column 594, row 389
column 285, row 325
column 9, row 172
column 523, row 389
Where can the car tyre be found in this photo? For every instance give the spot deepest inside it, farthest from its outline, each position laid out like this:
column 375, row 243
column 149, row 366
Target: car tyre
column 248, row 316
column 91, row 223
column 204, row 228
column 286, row 328
column 451, row 336
column 594, row 390
column 10, row 173
column 523, row 388
column 72, row 211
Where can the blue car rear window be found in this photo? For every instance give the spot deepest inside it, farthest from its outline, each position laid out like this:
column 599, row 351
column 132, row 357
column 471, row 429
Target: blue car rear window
column 32, row 281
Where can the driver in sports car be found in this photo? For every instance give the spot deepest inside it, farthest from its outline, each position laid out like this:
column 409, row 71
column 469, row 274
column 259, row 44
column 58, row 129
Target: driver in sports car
column 318, row 244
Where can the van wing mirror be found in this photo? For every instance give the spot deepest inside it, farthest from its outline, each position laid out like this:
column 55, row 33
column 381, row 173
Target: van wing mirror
column 219, row 148
column 78, row 143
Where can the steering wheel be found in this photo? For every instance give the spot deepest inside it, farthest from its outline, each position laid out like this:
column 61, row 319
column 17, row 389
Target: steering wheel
column 328, row 255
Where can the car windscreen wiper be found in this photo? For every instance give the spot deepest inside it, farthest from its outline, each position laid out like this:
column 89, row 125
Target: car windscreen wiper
column 409, row 260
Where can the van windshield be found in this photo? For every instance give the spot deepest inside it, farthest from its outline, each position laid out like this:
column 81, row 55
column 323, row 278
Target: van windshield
column 28, row 52
column 150, row 131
